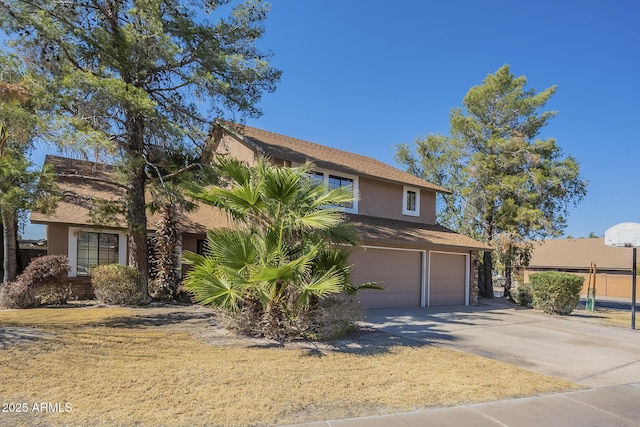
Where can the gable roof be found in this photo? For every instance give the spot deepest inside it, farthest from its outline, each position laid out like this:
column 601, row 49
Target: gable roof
column 410, row 234
column 297, row 150
column 80, row 181
column 578, row 254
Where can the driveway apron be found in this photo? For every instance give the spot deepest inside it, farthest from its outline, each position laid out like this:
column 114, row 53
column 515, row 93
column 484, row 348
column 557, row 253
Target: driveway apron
column 572, row 347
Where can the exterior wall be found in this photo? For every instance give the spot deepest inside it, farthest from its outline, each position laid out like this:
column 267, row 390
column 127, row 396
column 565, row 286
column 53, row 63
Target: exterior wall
column 58, row 244
column 57, row 239
column 230, row 145
column 81, row 288
column 384, row 199
column 607, row 284
column 474, row 290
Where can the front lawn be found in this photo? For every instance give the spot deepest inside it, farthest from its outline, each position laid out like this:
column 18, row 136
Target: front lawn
column 171, row 365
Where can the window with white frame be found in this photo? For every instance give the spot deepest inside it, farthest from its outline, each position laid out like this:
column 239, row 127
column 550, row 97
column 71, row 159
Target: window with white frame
column 88, row 248
column 336, row 180
column 411, row 201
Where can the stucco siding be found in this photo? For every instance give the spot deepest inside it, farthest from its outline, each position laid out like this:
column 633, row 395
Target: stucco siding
column 58, row 239
column 384, row 199
column 231, row 146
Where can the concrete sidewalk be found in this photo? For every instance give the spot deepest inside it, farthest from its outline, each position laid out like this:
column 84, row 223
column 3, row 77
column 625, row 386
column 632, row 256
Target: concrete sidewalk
column 608, row 406
column 574, row 348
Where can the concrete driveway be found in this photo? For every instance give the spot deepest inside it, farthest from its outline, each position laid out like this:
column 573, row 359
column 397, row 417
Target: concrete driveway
column 570, row 347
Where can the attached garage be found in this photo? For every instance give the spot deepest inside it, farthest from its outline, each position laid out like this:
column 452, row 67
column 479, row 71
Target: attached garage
column 442, row 277
column 448, row 279
column 399, row 271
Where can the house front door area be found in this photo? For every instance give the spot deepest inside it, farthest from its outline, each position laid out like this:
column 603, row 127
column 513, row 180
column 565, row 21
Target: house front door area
column 411, row 278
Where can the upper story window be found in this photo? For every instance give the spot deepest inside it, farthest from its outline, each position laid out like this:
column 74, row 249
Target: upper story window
column 334, row 180
column 411, row 201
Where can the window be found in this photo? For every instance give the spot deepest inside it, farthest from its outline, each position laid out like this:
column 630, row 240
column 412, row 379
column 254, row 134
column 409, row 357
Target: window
column 336, row 181
column 411, row 201
column 317, row 177
column 94, row 249
column 201, row 246
column 333, row 181
column 88, row 248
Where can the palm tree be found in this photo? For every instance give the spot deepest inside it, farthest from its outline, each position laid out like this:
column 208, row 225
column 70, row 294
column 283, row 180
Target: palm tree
column 168, row 201
column 288, row 248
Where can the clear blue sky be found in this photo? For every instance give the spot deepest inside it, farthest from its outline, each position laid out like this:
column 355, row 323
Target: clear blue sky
column 364, row 75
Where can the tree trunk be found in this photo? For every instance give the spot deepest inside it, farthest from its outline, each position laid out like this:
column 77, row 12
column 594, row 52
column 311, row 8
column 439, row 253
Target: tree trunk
column 10, row 246
column 137, row 225
column 136, row 203
column 507, row 273
column 487, row 259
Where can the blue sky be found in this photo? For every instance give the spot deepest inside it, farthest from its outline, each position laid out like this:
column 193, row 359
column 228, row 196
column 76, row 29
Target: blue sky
column 364, row 75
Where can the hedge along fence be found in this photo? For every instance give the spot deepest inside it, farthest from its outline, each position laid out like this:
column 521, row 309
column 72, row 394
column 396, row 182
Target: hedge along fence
column 556, row 292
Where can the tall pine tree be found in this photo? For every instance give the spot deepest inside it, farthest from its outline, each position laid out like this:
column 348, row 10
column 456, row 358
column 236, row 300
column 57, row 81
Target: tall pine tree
column 506, row 180
column 131, row 76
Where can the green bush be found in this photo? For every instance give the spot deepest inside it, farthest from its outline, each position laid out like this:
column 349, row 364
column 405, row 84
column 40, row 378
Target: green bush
column 556, row 292
column 521, row 295
column 117, row 284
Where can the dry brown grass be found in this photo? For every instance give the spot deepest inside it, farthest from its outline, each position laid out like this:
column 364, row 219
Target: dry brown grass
column 611, row 317
column 168, row 366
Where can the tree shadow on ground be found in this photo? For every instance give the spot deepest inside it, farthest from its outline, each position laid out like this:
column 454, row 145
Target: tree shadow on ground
column 156, row 320
column 10, row 336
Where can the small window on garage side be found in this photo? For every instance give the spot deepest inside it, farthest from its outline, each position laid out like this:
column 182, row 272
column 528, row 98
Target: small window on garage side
column 411, row 201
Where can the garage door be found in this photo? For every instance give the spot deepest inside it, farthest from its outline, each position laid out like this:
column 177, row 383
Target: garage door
column 447, row 278
column 400, row 272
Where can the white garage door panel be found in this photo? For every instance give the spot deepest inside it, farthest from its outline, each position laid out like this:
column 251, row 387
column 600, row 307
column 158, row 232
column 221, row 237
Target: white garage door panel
column 400, row 272
column 447, row 279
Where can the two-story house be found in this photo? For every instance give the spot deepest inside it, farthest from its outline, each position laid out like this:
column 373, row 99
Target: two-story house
column 418, row 262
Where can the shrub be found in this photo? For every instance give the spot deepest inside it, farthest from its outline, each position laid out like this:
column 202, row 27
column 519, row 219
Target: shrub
column 17, row 295
column 556, row 292
column 333, row 318
column 47, row 275
column 44, row 281
column 117, row 284
column 521, row 295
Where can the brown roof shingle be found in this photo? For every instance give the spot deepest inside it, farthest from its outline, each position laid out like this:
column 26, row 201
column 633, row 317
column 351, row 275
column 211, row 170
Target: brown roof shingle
column 79, row 179
column 392, row 232
column 297, row 150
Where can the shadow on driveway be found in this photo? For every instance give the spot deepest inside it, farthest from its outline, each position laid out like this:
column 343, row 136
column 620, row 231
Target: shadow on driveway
column 567, row 347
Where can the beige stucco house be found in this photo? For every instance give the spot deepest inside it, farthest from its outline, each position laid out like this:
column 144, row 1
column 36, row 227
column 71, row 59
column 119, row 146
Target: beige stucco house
column 418, row 262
